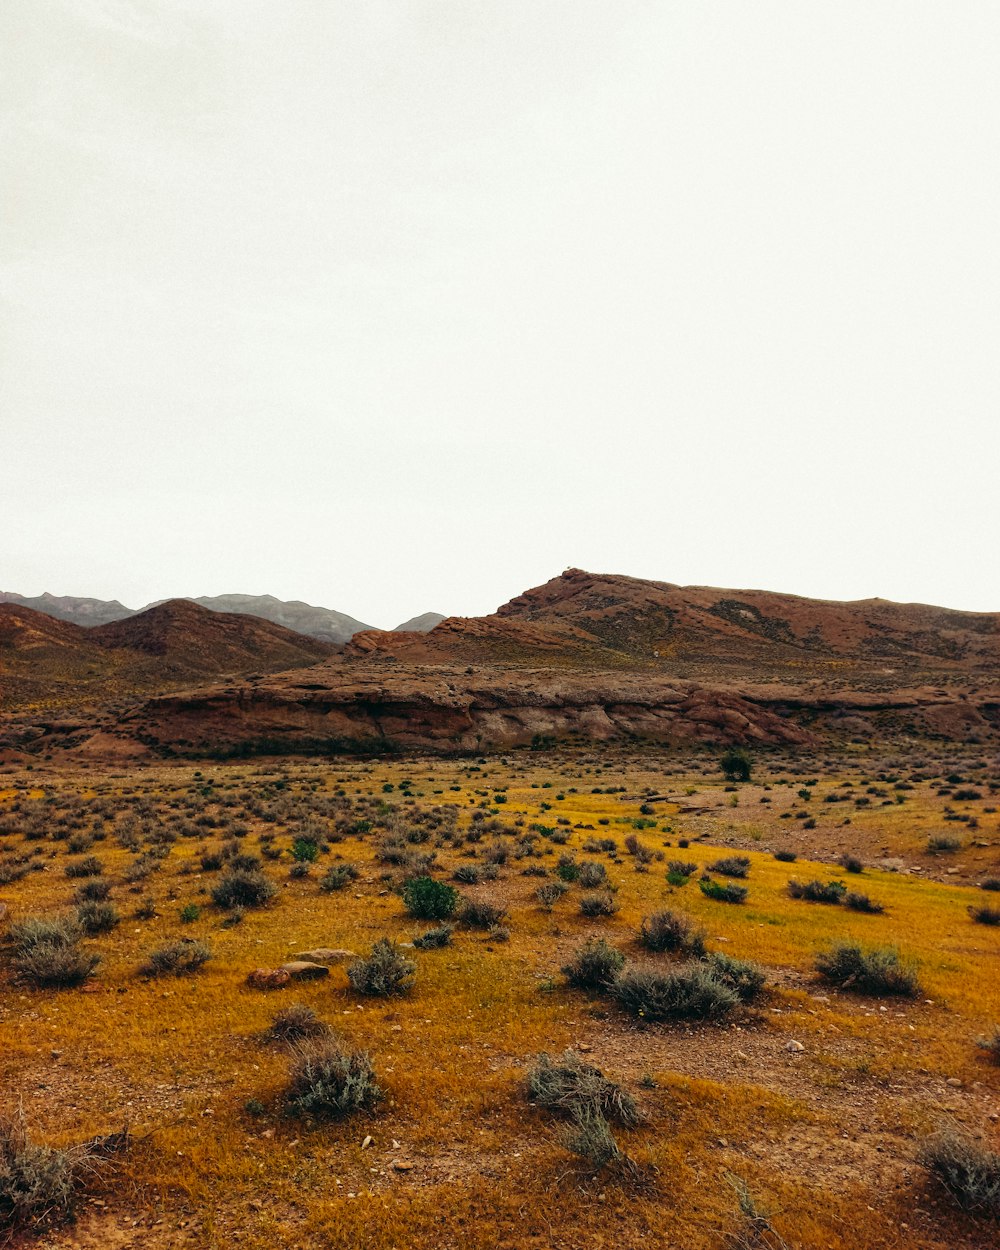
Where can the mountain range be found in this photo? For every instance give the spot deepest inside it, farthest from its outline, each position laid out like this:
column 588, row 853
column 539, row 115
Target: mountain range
column 325, row 624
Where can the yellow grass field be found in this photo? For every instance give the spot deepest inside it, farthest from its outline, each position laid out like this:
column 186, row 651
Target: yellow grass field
column 824, row 1134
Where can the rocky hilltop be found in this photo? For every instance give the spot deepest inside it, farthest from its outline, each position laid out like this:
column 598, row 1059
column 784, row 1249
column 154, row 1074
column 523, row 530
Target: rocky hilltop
column 590, row 656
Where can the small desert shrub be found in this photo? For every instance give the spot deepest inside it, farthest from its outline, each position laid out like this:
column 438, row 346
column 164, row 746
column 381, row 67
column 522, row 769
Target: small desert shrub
column 240, row 888
column 294, row 1024
column 55, row 965
column 594, row 966
column 969, row 1172
column 638, row 850
column 569, row 1085
column 91, row 866
column 94, row 891
column 990, row 883
column 598, row 903
column 690, row 993
column 745, row 979
column 468, row 874
column 211, row 861
column 985, row 915
column 328, row 1081
column 590, row 1137
column 44, row 931
column 785, row 857
column 428, row 899
column 592, row 875
column 338, row 878
column 176, row 959
column 386, row 971
column 736, row 764
column 943, row 844
column 991, row 1045
column 433, row 939
column 550, row 893
column 305, row 851
column 729, row 892
column 818, row 891
column 96, row 918
column 876, row 972
column 732, row 866
column 567, row 869
column 851, row 863
column 480, row 914
column 678, row 871
column 861, row 902
column 36, row 1182
column 671, row 931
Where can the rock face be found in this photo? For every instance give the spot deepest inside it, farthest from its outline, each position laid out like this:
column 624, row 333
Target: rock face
column 595, row 657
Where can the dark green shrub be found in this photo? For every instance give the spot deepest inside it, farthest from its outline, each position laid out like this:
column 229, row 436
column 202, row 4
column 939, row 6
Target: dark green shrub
column 861, row 902
column 690, row 993
column 671, row 931
column 876, row 972
column 818, row 891
column 678, row 871
column 570, row 1085
column 736, row 764
column 241, row 888
column 732, row 866
column 746, row 980
column 567, row 869
column 594, row 966
column 785, row 857
column 385, row 972
column 851, row 863
column 94, row 891
column 985, row 915
column 970, row 1172
column 328, row 1081
column 178, row 959
column 990, row 883
column 729, row 892
column 428, row 899
column 305, row 851
column 433, row 939
column 94, row 918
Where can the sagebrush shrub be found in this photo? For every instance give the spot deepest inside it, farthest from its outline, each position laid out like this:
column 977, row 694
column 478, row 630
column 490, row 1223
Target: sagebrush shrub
column 818, row 891
column 91, row 866
column 598, row 903
column 570, row 1084
column 745, row 979
column 594, row 966
column 874, row 972
column 36, row 1182
column 970, row 1172
column 180, row 958
column 732, row 866
column 294, row 1024
column 690, row 993
column 328, row 1081
column 985, row 915
column 55, row 965
column 385, row 972
column 94, row 917
column 670, row 931
column 861, row 902
column 434, row 939
column 242, row 888
column 481, row 914
column 338, row 878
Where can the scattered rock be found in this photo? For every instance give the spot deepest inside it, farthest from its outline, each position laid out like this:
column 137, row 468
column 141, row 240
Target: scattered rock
column 326, row 955
column 795, row 1047
column 268, row 978
column 304, row 970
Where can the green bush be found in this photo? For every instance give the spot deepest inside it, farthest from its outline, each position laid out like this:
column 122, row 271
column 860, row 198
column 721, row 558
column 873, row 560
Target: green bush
column 385, row 972
column 875, row 972
column 736, row 764
column 690, row 993
column 729, row 892
column 328, row 1081
column 594, row 966
column 428, row 899
column 745, row 979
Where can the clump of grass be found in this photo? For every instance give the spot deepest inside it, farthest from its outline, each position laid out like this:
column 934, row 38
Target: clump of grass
column 55, row 966
column 746, row 980
column 36, row 1182
column 570, row 1084
column 243, row 888
column 970, row 1172
column 594, row 966
column 590, row 1138
column 385, row 972
column 428, row 899
column 328, row 1081
column 178, row 959
column 43, row 931
column 598, row 903
column 985, row 915
column 90, row 866
column 732, row 866
column 875, row 972
column 690, row 993
column 434, row 939
column 818, row 891
column 294, row 1024
column 94, row 918
column 728, row 892
column 670, row 931
column 861, row 902
column 481, row 914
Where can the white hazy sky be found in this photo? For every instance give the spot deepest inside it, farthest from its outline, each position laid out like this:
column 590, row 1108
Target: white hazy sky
column 396, row 305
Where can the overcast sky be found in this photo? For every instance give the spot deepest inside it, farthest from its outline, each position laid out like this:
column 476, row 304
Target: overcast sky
column 398, row 305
